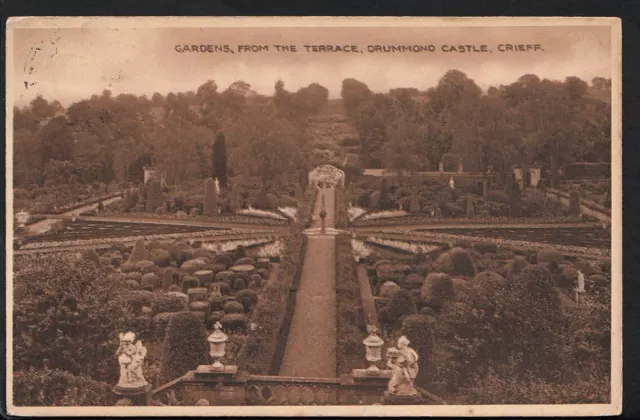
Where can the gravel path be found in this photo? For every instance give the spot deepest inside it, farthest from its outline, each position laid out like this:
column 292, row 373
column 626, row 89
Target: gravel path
column 311, row 346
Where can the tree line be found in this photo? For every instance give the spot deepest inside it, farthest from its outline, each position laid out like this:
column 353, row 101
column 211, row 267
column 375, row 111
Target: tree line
column 532, row 120
column 108, row 138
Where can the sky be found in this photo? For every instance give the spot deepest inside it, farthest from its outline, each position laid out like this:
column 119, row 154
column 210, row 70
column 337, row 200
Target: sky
column 71, row 64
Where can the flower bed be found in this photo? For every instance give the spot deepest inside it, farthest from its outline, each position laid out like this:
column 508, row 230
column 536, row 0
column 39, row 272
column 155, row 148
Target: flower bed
column 79, row 242
column 264, row 347
column 430, row 220
column 261, row 213
column 583, row 201
column 350, row 321
column 290, row 212
column 355, row 212
column 403, row 246
column 445, row 238
column 231, row 218
column 226, row 246
column 383, row 215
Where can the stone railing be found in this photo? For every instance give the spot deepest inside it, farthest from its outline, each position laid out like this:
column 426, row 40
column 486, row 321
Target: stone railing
column 278, row 390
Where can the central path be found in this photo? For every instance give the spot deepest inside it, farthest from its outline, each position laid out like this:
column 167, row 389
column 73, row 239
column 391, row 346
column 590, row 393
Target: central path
column 311, row 346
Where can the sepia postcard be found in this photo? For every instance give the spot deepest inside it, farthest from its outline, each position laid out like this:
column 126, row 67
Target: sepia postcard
column 314, row 216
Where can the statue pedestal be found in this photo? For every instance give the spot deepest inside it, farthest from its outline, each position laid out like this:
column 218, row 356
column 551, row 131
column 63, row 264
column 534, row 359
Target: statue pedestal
column 140, row 396
column 410, row 399
column 208, row 372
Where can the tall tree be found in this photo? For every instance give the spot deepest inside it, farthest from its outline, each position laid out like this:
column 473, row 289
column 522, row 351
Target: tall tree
column 219, row 160
column 353, row 93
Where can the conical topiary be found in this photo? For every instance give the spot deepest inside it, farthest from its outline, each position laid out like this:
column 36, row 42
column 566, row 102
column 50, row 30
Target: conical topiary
column 210, row 198
column 138, row 253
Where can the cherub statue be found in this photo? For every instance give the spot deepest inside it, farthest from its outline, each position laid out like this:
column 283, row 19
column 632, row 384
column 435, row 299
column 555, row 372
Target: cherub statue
column 400, row 382
column 410, row 356
column 131, row 358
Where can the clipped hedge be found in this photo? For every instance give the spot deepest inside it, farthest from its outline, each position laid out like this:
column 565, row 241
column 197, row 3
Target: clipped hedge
column 185, row 346
column 350, row 323
column 263, row 350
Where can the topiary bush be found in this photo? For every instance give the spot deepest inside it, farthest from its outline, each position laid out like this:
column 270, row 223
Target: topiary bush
column 55, row 387
column 486, row 247
column 250, row 295
column 400, row 305
column 456, row 262
column 180, row 252
column 437, row 289
column 169, row 302
column 515, row 266
column 160, row 257
column 387, row 289
column 185, row 346
column 490, row 279
column 548, row 255
column 138, row 253
column 234, row 322
column 233, row 307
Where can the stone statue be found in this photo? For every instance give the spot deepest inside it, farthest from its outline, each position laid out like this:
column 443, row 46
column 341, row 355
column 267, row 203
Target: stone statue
column 400, row 382
column 217, row 186
column 410, row 356
column 131, row 358
column 452, row 183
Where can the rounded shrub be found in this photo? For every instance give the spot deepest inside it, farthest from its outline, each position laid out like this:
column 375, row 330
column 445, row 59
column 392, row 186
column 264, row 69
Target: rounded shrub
column 170, row 302
column 197, row 294
column 437, row 289
column 128, row 268
column 245, row 261
column 490, row 279
column 515, row 266
column 160, row 257
column 486, row 247
column 548, row 255
column 150, row 279
column 201, row 307
column 189, row 282
column 145, row 266
column 134, row 275
column 233, row 307
column 174, row 288
column 205, row 277
column 400, row 305
column 234, row 322
column 180, row 252
column 239, row 284
column 456, row 262
column 185, row 346
column 387, row 289
column 132, row 285
column 224, row 259
column 138, row 299
column 249, row 294
column 412, row 281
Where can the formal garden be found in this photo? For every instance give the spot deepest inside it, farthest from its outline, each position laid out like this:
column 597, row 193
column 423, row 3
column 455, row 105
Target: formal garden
column 228, row 237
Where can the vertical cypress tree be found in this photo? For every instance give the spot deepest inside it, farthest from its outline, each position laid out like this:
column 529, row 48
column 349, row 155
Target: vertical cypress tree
column 219, row 160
